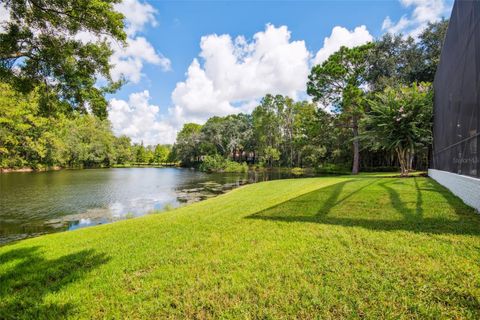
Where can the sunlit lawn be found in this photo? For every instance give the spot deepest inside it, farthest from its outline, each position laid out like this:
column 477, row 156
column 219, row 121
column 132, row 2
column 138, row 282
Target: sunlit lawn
column 336, row 247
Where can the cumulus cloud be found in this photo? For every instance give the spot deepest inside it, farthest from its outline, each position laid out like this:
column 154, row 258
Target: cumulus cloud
column 128, row 61
column 342, row 37
column 236, row 73
column 423, row 12
column 140, row 120
column 137, row 15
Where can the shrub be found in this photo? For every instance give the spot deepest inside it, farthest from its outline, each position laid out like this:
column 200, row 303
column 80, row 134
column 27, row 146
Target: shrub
column 217, row 163
column 232, row 166
column 297, row 171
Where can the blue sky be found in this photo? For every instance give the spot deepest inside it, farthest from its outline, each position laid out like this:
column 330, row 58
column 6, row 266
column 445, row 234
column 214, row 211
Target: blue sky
column 281, row 41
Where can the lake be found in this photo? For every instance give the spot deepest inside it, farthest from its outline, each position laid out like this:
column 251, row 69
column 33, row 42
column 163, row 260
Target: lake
column 36, row 203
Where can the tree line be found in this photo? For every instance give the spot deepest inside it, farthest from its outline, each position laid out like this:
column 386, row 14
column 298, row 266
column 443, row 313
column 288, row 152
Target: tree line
column 30, row 138
column 371, row 106
column 53, row 109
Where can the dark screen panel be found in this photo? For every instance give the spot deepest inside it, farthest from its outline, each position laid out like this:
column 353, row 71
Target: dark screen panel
column 456, row 146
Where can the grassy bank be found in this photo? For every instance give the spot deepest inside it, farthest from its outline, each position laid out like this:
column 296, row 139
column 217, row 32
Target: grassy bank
column 335, row 247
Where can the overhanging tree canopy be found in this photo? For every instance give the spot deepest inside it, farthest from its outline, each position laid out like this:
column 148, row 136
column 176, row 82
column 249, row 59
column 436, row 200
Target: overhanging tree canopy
column 40, row 47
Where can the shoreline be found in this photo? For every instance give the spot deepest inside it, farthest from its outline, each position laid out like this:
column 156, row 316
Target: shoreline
column 28, row 169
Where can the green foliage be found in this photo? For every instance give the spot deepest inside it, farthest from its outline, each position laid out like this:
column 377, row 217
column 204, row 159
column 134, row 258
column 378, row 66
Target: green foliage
column 270, row 155
column 30, row 139
column 59, row 74
column 431, row 44
column 400, row 120
column 161, row 153
column 39, row 48
column 87, row 142
column 217, row 163
column 123, row 150
column 297, row 171
column 396, row 59
column 226, row 135
column 285, row 249
column 25, row 137
column 187, row 146
column 340, row 82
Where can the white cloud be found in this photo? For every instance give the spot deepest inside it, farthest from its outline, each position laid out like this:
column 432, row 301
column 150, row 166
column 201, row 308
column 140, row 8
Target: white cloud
column 128, row 61
column 237, row 72
column 197, row 98
column 424, row 11
column 4, row 16
column 137, row 15
column 342, row 37
column 140, row 120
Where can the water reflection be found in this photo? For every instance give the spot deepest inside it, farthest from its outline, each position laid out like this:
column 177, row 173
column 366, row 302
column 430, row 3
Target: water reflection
column 36, row 203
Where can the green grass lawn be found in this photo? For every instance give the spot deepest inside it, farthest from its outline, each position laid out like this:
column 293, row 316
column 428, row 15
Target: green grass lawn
column 333, row 247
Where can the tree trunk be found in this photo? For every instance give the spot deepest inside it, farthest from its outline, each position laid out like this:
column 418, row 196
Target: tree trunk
column 356, row 147
column 403, row 158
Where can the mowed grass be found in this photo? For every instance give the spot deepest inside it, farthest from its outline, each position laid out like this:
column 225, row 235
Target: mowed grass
column 333, row 247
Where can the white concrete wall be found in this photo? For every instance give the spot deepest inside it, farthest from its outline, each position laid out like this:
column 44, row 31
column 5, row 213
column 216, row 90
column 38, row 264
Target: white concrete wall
column 464, row 187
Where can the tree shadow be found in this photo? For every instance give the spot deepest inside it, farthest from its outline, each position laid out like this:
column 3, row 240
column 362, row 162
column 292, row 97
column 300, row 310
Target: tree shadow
column 400, row 205
column 331, row 206
column 26, row 277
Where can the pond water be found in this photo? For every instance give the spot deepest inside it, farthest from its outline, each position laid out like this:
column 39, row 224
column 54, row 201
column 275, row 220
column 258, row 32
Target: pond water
column 38, row 203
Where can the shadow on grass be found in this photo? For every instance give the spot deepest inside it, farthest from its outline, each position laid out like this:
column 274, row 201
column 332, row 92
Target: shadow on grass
column 26, row 277
column 323, row 206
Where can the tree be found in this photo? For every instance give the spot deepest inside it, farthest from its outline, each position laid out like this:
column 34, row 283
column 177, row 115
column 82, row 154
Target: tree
column 188, row 143
column 431, row 44
column 270, row 155
column 123, row 150
column 266, row 124
column 40, row 47
column 213, row 136
column 313, row 134
column 140, row 153
column 400, row 120
column 88, row 141
column 396, row 59
column 161, row 153
column 226, row 136
column 26, row 139
column 340, row 82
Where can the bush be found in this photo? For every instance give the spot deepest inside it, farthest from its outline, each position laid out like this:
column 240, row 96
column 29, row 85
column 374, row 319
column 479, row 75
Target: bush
column 232, row 166
column 333, row 169
column 217, row 163
column 297, row 171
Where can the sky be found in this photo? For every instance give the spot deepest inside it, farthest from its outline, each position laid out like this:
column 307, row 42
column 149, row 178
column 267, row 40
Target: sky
column 186, row 61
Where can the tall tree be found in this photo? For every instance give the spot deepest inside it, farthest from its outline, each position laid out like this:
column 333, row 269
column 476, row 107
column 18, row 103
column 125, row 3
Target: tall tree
column 266, row 126
column 161, row 153
column 396, row 59
column 340, row 82
column 40, row 47
column 400, row 120
column 188, row 145
column 123, row 150
column 393, row 59
column 431, row 44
